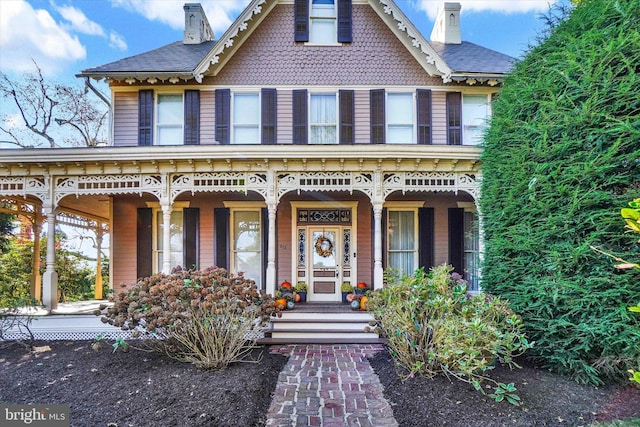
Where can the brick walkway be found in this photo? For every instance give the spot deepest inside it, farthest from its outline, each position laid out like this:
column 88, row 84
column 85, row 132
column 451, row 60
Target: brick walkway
column 329, row 386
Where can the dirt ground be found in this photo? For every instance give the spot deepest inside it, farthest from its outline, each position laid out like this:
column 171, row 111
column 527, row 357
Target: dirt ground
column 138, row 388
column 549, row 399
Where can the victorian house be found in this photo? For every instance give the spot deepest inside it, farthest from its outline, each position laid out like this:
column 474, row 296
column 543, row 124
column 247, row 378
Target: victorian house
column 315, row 140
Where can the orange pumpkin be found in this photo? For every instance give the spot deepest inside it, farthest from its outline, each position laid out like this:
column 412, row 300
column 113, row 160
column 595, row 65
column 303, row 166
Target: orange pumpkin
column 285, row 284
column 281, row 303
column 362, row 285
column 363, row 301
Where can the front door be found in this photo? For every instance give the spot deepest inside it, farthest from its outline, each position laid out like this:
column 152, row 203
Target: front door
column 325, row 267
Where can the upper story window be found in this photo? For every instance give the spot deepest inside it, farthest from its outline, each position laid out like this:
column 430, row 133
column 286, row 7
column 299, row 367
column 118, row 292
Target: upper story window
column 246, row 118
column 400, row 118
column 323, row 21
column 467, row 117
column 323, row 119
column 168, row 118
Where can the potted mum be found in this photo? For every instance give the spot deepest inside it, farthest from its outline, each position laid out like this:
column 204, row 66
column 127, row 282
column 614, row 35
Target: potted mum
column 301, row 289
column 346, row 289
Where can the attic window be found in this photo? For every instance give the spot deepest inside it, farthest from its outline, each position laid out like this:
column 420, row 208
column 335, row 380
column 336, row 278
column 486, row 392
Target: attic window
column 323, row 22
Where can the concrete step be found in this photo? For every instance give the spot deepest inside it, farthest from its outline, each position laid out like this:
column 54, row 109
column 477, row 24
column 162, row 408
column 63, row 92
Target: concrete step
column 333, row 340
column 319, row 316
column 329, row 333
column 310, row 325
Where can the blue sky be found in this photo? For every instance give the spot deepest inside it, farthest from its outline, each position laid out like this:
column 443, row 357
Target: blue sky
column 67, row 36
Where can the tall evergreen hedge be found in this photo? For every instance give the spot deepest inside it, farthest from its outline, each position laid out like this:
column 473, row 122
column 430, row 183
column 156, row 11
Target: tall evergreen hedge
column 562, row 156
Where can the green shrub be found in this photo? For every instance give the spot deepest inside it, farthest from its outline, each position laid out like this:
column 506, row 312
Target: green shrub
column 434, row 327
column 560, row 157
column 207, row 318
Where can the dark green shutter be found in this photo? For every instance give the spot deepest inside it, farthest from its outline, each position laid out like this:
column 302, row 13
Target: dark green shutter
column 344, row 21
column 269, row 116
column 191, row 232
column 347, row 112
column 221, row 238
column 300, row 123
column 145, row 117
column 423, row 100
column 454, row 118
column 223, row 115
column 377, row 117
column 301, row 20
column 192, row 117
column 456, row 239
column 144, row 242
column 426, row 228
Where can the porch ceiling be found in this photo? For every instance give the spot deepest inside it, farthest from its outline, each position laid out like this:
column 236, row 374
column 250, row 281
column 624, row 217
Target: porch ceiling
column 225, row 158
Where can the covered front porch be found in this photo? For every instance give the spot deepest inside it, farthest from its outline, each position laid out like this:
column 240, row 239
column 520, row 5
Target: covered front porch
column 350, row 202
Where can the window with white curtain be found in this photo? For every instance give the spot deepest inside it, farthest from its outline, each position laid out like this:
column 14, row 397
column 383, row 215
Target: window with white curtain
column 323, row 114
column 471, row 250
column 402, row 243
column 175, row 239
column 475, row 114
column 247, row 244
column 323, row 20
column 246, row 118
column 400, row 118
column 170, row 120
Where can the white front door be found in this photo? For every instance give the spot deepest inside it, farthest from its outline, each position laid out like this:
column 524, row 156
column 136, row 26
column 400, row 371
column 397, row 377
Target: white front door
column 325, row 269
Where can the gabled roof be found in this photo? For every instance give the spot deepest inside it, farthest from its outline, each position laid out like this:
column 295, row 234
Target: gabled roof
column 178, row 61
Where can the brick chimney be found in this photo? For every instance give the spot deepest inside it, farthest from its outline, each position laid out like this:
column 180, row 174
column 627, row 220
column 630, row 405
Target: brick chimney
column 447, row 26
column 196, row 26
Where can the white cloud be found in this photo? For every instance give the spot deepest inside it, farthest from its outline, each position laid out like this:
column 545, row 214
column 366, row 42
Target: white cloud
column 220, row 14
column 27, row 33
column 498, row 6
column 116, row 41
column 79, row 22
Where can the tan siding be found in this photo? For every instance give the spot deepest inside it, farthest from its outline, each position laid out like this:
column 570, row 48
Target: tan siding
column 123, row 242
column 362, row 117
column 207, row 117
column 364, row 258
column 285, row 117
column 125, row 121
column 284, row 249
column 439, row 117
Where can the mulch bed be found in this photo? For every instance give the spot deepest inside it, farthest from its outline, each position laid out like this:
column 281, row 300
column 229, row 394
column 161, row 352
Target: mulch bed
column 137, row 388
column 549, row 399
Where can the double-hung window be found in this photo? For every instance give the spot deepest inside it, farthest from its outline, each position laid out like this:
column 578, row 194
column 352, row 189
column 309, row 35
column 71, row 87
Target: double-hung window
column 467, row 117
column 170, row 119
column 323, row 22
column 323, row 127
column 475, row 113
column 246, row 118
column 402, row 242
column 247, row 243
column 400, row 118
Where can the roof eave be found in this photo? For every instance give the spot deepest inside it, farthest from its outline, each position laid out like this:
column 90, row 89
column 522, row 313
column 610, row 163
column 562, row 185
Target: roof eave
column 491, row 79
column 134, row 77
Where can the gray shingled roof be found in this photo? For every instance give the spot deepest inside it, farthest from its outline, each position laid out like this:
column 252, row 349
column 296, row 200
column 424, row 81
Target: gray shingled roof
column 468, row 57
column 176, row 58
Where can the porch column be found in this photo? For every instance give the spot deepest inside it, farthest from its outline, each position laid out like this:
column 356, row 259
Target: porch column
column 36, row 279
column 271, row 250
column 166, row 237
column 50, row 278
column 378, row 276
column 98, row 290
